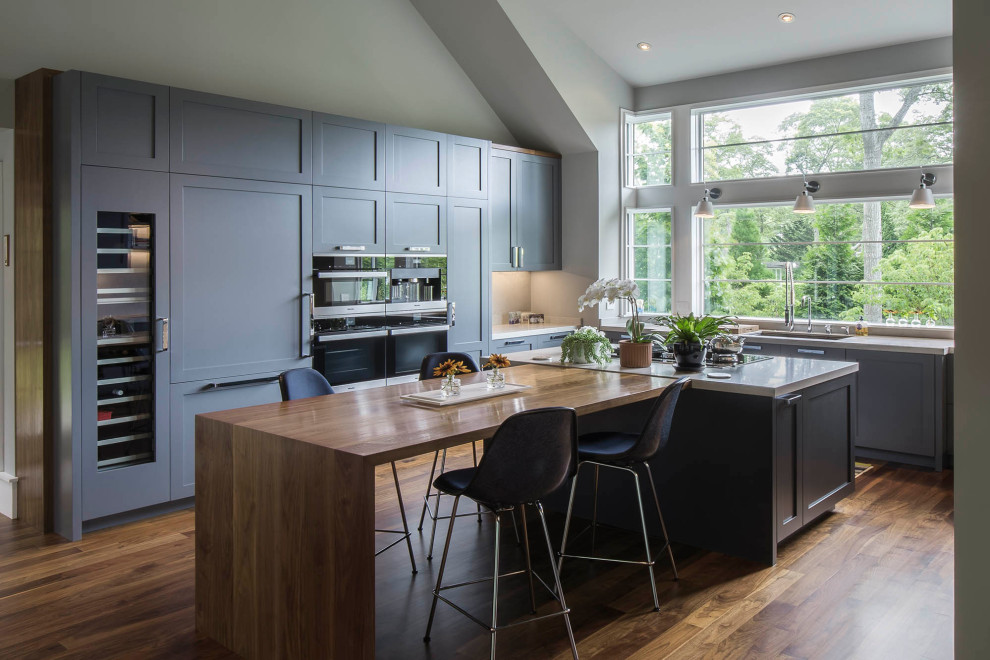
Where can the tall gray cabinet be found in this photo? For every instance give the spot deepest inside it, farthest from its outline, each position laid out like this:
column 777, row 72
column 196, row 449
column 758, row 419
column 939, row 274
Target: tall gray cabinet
column 526, row 211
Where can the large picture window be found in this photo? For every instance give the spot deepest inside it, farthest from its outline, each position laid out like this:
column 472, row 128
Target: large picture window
column 865, row 128
column 648, row 257
column 882, row 260
column 648, row 150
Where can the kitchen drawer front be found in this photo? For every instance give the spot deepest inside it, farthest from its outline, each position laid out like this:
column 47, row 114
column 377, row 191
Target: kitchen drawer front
column 516, row 344
column 124, row 123
column 760, row 348
column 222, row 136
column 553, row 339
column 812, row 352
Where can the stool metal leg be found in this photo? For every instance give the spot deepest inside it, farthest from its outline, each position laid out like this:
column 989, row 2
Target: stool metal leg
column 402, row 512
column 474, row 454
column 494, row 628
column 436, row 514
column 429, row 487
column 646, row 542
column 567, row 518
column 443, row 564
column 556, row 582
column 529, row 565
column 663, row 526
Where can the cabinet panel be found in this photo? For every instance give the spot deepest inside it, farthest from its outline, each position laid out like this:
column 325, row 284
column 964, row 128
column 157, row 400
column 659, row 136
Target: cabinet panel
column 222, row 136
column 515, row 345
column 553, row 340
column 241, row 266
column 758, row 348
column 348, row 221
column 812, row 352
column 537, row 225
column 467, row 161
column 416, row 161
column 502, row 194
column 191, row 399
column 896, row 399
column 415, row 224
column 827, row 446
column 348, row 153
column 468, row 279
column 124, row 363
column 787, row 457
column 124, row 123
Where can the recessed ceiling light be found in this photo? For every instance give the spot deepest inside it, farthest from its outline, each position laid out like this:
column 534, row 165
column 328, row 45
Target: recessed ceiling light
column 786, row 17
column 642, row 45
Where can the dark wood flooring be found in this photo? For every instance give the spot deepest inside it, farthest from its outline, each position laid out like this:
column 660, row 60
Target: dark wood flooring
column 872, row 580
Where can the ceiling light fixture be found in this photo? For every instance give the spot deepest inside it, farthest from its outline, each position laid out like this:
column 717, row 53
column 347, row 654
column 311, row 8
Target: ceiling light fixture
column 805, row 203
column 642, row 45
column 786, row 17
column 705, row 208
column 923, row 197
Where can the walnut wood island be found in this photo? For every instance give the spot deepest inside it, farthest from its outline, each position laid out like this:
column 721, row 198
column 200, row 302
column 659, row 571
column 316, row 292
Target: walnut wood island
column 285, row 502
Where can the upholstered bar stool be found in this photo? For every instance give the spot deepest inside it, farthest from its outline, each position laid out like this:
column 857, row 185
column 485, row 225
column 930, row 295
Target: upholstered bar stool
column 624, row 452
column 305, row 383
column 531, row 455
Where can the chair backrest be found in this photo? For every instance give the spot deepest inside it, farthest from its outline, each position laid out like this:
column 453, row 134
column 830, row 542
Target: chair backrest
column 303, row 384
column 531, row 455
column 433, row 360
column 657, row 430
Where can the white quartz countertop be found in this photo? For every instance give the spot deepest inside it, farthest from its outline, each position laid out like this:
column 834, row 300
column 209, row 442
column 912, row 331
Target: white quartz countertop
column 510, row 331
column 893, row 343
column 773, row 377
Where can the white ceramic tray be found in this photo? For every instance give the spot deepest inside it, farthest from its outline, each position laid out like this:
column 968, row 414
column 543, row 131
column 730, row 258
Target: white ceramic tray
column 471, row 392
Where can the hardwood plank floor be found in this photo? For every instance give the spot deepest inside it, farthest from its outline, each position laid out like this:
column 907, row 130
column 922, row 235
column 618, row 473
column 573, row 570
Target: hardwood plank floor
column 871, row 580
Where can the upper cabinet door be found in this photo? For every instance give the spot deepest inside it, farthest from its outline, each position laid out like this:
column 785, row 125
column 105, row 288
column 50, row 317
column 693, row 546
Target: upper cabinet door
column 348, row 221
column 468, row 275
column 416, row 161
column 537, row 223
column 502, row 194
column 415, row 224
column 223, row 136
column 124, row 123
column 348, row 153
column 467, row 167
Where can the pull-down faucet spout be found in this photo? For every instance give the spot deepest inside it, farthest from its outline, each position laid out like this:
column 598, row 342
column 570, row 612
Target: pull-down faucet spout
column 788, row 267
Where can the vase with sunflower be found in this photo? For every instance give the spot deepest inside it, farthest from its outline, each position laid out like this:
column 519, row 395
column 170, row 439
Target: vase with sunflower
column 448, row 370
column 496, row 362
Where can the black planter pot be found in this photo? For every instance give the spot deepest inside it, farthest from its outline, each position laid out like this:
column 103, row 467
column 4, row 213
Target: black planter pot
column 689, row 357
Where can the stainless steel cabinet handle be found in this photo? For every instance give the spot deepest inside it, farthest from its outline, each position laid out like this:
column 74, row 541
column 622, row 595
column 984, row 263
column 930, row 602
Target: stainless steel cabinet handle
column 415, row 331
column 451, row 314
column 164, row 335
column 306, row 327
column 352, row 248
column 522, row 257
column 239, row 383
column 350, row 274
column 560, row 336
column 417, row 249
column 517, row 342
column 513, row 255
column 6, row 249
column 352, row 336
column 790, row 399
column 754, row 347
column 811, row 351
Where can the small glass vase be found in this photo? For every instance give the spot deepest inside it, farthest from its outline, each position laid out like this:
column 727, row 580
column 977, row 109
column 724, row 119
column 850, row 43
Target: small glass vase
column 451, row 386
column 496, row 379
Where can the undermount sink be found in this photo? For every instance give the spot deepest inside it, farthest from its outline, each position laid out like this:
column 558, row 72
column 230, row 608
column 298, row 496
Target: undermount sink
column 797, row 334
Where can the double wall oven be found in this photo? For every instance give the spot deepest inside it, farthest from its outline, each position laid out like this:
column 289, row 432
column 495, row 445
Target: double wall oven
column 375, row 317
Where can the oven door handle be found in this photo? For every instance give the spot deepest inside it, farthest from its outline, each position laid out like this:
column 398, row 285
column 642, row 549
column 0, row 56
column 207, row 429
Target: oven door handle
column 350, row 274
column 352, row 335
column 415, row 331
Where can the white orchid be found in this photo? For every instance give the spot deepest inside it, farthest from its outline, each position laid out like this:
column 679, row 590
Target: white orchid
column 610, row 290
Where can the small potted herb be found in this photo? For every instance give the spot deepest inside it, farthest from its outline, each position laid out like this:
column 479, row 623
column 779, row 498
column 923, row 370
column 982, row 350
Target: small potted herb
column 585, row 346
column 689, row 336
column 637, row 351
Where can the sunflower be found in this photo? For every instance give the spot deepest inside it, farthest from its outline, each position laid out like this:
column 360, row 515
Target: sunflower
column 450, row 368
column 497, row 361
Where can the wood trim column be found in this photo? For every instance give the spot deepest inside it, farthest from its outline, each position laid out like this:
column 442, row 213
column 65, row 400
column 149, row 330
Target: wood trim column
column 33, row 396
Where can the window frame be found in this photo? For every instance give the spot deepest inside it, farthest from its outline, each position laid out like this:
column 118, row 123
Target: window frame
column 626, row 265
column 629, row 121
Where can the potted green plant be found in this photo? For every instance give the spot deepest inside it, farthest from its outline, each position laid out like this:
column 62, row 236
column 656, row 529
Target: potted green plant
column 586, row 345
column 689, row 335
column 637, row 351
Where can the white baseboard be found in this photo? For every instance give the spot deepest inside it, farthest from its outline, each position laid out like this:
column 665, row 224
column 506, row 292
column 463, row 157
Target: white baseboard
column 8, row 495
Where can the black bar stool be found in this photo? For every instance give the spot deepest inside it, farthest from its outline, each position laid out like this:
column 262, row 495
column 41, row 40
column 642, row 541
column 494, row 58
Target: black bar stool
column 531, row 455
column 624, row 451
column 306, row 383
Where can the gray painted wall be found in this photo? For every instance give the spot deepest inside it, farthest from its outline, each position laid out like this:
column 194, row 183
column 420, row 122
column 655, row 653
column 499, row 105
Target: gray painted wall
column 6, row 103
column 373, row 59
column 972, row 388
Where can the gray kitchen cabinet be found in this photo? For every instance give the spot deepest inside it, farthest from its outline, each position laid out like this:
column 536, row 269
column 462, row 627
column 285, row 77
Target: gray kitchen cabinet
column 348, row 153
column 241, row 277
column 348, row 222
column 228, row 137
column 515, row 344
column 195, row 398
column 415, row 224
column 415, row 161
column 124, row 123
column 812, row 352
column 467, row 167
column 554, row 339
column 751, row 347
column 468, row 275
column 526, row 219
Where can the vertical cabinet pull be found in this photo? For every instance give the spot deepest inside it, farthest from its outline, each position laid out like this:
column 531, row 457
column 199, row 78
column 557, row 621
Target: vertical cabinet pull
column 164, row 333
column 522, row 257
column 6, row 249
column 306, row 326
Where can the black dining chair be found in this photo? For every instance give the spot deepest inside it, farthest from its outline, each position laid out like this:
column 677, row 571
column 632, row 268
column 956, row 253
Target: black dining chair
column 431, row 362
column 306, row 383
column 531, row 455
column 625, row 451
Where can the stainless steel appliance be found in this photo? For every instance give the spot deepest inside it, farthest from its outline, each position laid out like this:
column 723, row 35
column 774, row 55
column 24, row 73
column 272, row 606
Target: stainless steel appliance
column 350, row 350
column 417, row 284
column 349, row 285
column 411, row 336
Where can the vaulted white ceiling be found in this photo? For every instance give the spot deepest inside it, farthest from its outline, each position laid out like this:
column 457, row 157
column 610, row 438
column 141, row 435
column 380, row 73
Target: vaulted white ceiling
column 698, row 38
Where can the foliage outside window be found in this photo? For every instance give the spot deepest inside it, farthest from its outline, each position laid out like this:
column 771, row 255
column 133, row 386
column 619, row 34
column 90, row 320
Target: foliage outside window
column 904, row 272
column 648, row 150
column 860, row 129
column 648, row 257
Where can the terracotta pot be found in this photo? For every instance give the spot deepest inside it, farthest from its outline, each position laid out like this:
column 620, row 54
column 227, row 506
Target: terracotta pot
column 635, row 356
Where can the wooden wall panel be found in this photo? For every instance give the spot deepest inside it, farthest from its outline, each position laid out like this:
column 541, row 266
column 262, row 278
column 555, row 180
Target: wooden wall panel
column 32, row 292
